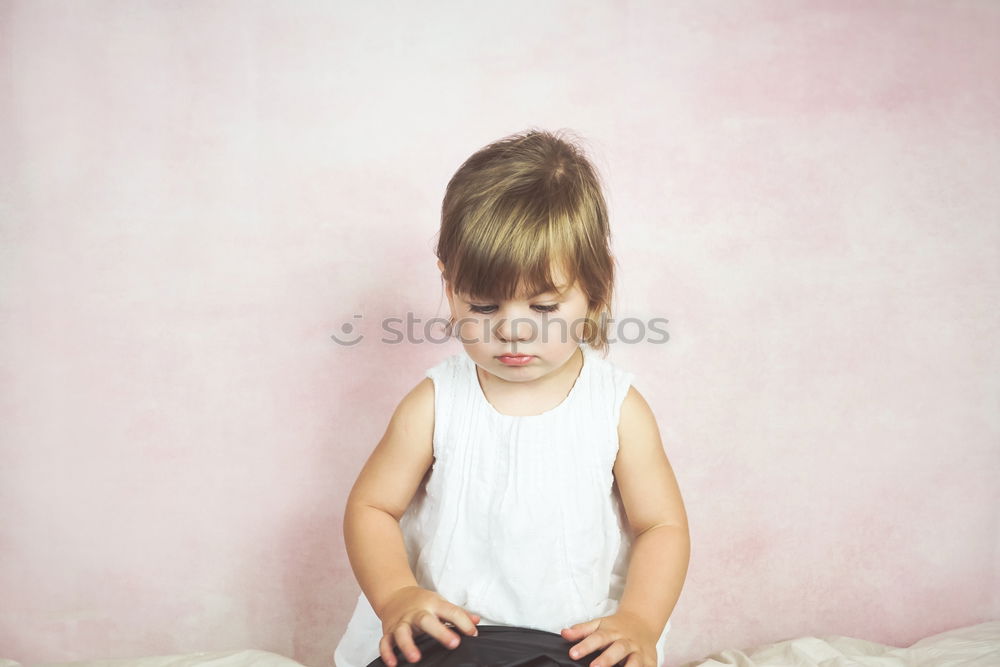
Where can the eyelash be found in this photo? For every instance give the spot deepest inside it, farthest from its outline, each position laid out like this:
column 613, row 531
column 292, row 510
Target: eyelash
column 481, row 310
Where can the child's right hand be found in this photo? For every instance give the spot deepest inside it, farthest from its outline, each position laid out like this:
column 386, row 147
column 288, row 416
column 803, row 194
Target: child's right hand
column 412, row 607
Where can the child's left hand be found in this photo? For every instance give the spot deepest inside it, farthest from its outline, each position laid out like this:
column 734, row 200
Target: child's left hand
column 625, row 634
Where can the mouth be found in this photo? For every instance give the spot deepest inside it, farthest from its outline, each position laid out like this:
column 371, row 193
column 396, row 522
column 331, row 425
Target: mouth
column 515, row 359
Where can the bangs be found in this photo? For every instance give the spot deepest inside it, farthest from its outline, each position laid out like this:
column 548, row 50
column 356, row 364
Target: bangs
column 522, row 261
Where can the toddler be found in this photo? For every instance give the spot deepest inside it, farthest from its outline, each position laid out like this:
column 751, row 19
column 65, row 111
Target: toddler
column 522, row 482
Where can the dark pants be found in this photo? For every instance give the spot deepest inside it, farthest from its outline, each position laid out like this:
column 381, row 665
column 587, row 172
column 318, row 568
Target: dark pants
column 496, row 646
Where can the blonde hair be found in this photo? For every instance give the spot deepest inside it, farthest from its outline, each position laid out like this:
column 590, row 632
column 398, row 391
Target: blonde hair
column 519, row 207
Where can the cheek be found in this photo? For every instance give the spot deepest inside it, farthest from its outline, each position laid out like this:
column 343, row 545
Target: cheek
column 562, row 329
column 578, row 323
column 472, row 328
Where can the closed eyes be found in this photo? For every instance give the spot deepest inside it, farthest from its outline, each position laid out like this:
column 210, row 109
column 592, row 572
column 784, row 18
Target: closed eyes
column 487, row 310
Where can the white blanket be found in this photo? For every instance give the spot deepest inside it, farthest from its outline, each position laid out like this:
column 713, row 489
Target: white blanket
column 250, row 658
column 973, row 646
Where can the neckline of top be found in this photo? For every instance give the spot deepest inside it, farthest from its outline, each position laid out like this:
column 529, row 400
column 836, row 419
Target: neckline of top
column 478, row 388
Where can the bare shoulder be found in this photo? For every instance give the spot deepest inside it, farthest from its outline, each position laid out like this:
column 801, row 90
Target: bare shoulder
column 401, row 459
column 635, row 412
column 637, row 426
column 416, row 409
column 642, row 471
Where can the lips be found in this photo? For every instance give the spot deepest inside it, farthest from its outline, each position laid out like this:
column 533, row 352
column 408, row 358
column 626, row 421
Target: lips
column 515, row 359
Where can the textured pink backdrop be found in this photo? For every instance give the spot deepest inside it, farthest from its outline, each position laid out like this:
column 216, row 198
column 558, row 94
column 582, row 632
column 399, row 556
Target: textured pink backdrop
column 195, row 196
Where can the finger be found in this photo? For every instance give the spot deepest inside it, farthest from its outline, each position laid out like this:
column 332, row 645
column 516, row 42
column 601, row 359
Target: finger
column 463, row 619
column 404, row 640
column 580, row 630
column 634, row 660
column 433, row 626
column 385, row 650
column 594, row 642
column 611, row 656
column 476, row 618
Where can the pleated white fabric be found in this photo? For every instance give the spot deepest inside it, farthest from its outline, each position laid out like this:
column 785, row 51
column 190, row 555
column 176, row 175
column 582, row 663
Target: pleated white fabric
column 519, row 520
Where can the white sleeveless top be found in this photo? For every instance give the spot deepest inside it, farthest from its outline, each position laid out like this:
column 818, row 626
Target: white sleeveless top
column 518, row 520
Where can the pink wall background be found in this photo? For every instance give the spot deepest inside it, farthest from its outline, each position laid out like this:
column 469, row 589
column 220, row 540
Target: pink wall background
column 195, row 196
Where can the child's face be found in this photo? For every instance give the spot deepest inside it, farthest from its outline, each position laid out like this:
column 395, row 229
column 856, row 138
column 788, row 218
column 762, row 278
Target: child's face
column 548, row 327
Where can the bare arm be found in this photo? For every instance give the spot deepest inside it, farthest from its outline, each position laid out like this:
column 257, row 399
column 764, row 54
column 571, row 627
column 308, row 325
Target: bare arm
column 375, row 547
column 661, row 546
column 381, row 494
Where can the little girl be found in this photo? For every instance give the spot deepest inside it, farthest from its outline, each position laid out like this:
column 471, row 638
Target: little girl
column 523, row 482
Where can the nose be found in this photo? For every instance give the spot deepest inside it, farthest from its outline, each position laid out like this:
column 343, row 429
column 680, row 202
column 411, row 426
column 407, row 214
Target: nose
column 511, row 329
